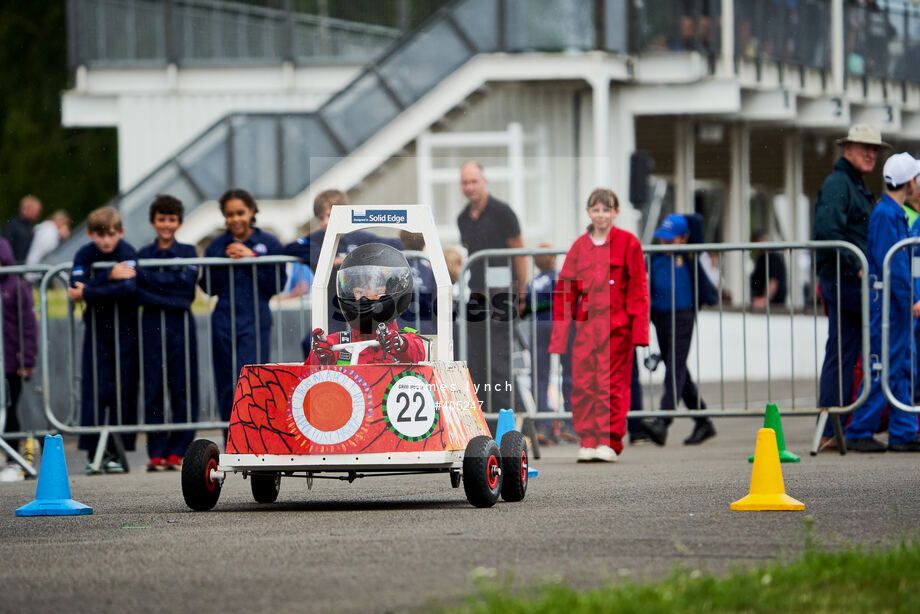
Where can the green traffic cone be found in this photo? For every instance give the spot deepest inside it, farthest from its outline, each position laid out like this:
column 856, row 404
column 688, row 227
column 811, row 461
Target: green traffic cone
column 771, row 420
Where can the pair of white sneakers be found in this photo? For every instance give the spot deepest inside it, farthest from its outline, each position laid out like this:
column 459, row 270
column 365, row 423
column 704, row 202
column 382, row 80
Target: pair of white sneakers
column 602, row 453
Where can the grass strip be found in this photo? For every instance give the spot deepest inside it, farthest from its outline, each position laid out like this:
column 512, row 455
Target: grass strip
column 856, row 579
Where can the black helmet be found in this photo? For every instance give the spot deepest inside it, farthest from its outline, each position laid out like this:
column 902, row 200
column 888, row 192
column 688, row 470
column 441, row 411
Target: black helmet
column 373, row 285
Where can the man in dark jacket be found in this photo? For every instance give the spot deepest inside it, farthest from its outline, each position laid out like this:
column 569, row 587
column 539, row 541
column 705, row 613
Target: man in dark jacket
column 842, row 214
column 18, row 230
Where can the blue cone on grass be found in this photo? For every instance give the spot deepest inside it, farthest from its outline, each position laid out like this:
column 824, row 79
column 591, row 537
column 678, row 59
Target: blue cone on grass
column 505, row 424
column 52, row 496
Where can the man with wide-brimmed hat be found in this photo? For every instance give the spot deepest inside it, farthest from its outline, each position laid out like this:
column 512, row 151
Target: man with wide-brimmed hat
column 842, row 214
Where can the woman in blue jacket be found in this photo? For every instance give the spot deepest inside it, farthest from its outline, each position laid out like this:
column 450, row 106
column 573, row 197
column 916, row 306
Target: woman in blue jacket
column 242, row 321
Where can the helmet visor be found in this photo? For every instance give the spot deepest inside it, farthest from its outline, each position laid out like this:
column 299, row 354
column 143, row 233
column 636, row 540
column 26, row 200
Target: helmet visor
column 371, row 281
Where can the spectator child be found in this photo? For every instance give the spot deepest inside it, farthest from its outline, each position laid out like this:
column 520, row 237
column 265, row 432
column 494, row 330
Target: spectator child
column 300, row 280
column 538, row 310
column 110, row 333
column 20, row 346
column 168, row 330
column 420, row 315
column 603, row 286
column 454, row 260
column 251, row 316
column 768, row 286
column 374, row 287
column 309, row 248
column 673, row 314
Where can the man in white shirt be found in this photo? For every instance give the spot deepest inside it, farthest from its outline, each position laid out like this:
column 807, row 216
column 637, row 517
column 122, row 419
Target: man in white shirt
column 48, row 235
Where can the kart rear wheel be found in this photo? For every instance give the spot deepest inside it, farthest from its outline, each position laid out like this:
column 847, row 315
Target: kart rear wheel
column 482, row 471
column 265, row 487
column 514, row 466
column 198, row 488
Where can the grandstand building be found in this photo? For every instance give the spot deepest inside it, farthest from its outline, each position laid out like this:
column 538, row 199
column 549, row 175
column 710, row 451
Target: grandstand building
column 736, row 102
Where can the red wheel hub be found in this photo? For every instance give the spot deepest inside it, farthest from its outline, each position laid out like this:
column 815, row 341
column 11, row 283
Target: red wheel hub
column 523, row 467
column 492, row 472
column 208, row 482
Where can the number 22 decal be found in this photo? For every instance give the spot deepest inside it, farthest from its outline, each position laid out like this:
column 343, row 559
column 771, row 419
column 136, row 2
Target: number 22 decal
column 419, row 398
column 409, row 407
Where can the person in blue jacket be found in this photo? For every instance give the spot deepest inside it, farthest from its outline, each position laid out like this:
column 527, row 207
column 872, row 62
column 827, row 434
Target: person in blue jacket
column 420, row 314
column 168, row 332
column 308, row 249
column 676, row 281
column 242, row 321
column 887, row 226
column 109, row 384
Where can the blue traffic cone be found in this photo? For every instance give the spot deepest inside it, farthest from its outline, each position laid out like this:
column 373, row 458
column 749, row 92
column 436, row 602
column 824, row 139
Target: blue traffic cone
column 505, row 424
column 52, row 496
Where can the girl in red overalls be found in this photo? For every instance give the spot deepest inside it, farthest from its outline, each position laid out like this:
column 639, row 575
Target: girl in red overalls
column 602, row 286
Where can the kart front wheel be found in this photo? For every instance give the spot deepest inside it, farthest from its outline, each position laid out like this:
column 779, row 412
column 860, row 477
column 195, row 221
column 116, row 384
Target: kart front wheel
column 482, row 471
column 199, row 489
column 514, row 466
column 265, row 487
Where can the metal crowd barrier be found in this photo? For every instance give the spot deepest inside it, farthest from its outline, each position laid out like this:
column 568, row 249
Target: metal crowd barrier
column 884, row 285
column 725, row 335
column 725, row 327
column 61, row 394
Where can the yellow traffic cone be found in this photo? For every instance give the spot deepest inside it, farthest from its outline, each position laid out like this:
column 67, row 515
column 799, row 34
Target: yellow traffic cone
column 767, row 489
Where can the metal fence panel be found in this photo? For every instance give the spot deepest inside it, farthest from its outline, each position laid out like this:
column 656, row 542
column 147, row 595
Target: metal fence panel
column 768, row 354
column 884, row 361
column 61, row 395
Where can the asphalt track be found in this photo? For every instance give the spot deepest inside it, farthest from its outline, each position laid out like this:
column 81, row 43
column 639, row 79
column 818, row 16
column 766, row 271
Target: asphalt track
column 396, row 544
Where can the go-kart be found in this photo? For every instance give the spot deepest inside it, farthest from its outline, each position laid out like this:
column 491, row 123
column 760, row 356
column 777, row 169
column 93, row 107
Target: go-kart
column 360, row 420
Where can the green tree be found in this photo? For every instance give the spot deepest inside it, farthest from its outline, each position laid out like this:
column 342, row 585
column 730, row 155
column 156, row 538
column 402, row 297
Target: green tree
column 72, row 169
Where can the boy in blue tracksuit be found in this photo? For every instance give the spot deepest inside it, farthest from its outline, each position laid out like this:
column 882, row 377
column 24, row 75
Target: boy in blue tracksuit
column 110, row 333
column 242, row 320
column 309, row 248
column 168, row 332
column 674, row 279
column 887, row 226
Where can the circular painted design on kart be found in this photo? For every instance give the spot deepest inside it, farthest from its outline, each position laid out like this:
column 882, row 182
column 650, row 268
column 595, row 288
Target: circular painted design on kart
column 409, row 407
column 328, row 407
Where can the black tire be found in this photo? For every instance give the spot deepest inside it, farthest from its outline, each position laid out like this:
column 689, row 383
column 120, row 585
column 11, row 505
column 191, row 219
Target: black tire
column 198, row 489
column 482, row 475
column 514, row 466
column 265, row 487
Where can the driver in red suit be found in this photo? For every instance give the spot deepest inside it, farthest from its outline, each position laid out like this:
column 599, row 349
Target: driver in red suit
column 374, row 287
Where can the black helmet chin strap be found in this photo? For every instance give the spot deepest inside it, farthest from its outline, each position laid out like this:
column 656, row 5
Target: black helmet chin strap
column 370, row 313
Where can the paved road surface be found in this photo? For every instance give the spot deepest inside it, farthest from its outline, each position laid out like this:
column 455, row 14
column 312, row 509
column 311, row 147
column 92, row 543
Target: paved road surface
column 392, row 544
